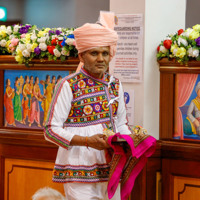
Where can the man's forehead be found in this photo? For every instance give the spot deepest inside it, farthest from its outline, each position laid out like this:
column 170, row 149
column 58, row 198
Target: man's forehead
column 100, row 49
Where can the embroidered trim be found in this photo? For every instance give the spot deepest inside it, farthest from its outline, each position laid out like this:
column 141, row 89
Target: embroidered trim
column 81, row 173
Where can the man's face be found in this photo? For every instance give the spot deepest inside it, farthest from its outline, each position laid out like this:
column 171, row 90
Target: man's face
column 96, row 61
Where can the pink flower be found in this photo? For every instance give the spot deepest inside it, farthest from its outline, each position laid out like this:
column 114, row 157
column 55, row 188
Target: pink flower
column 14, row 41
column 23, row 35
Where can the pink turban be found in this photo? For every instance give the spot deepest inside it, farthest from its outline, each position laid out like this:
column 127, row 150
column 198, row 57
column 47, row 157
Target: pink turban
column 90, row 36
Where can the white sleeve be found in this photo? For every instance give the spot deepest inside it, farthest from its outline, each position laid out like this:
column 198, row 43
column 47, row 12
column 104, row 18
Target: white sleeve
column 57, row 115
column 121, row 119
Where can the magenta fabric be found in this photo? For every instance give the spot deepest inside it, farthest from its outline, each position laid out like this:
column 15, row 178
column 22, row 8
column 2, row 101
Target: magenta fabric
column 144, row 149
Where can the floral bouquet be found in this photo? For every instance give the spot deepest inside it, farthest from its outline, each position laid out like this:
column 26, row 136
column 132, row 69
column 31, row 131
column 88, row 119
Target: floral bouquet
column 50, row 43
column 10, row 35
column 26, row 42
column 183, row 46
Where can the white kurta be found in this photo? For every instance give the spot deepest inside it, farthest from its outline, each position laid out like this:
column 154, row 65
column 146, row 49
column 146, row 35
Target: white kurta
column 75, row 96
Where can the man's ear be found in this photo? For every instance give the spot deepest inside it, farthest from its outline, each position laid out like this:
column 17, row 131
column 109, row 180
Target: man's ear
column 80, row 55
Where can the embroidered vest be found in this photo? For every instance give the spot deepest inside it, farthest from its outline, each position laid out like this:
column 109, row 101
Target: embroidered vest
column 94, row 100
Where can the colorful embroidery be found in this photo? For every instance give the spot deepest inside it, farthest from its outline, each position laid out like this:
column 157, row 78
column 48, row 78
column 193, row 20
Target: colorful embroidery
column 91, row 99
column 70, row 173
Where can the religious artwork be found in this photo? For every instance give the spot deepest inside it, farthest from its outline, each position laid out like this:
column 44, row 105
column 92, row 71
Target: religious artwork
column 187, row 107
column 27, row 96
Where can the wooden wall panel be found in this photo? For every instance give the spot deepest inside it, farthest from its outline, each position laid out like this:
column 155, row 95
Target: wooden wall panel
column 166, row 105
column 24, row 177
column 186, row 188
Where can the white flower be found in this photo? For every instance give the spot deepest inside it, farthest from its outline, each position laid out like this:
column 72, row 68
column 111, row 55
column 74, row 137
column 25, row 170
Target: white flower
column 60, row 29
column 3, row 43
column 187, row 32
column 69, row 32
column 182, row 41
column 26, row 53
column 193, row 52
column 29, row 47
column 60, row 38
column 53, row 37
column 2, row 28
column 9, row 30
column 11, row 37
column 43, row 46
column 196, row 53
column 16, row 28
column 162, row 49
column 22, row 47
column 174, row 51
column 70, row 41
column 42, row 39
column 64, row 52
column 57, row 53
column 33, row 37
column 168, row 38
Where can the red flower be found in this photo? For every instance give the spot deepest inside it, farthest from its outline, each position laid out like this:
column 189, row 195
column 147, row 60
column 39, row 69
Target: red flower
column 54, row 41
column 167, row 44
column 60, row 43
column 158, row 48
column 180, row 31
column 50, row 49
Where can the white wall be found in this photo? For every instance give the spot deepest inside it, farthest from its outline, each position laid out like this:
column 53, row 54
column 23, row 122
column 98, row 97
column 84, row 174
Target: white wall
column 132, row 7
column 161, row 17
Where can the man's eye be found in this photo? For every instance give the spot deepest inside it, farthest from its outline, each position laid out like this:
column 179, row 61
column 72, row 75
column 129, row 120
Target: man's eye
column 105, row 53
column 93, row 53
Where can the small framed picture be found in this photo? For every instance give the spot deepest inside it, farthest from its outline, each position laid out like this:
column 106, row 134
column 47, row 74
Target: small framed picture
column 187, row 107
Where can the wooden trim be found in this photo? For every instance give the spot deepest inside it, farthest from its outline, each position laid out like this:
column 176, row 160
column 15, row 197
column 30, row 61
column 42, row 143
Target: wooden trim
column 166, row 105
column 181, row 149
column 9, row 63
column 2, row 167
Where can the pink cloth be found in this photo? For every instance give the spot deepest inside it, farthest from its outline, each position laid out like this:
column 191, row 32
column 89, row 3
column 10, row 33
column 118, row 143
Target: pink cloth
column 134, row 158
column 90, row 36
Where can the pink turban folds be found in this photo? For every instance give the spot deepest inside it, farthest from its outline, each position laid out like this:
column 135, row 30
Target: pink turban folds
column 90, row 36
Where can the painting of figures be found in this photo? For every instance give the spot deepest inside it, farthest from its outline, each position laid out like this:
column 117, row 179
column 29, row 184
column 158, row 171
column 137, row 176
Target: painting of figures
column 187, row 107
column 27, row 96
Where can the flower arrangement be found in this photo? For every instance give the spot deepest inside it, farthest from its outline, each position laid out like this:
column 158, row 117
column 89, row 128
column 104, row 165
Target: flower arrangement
column 26, row 42
column 183, row 46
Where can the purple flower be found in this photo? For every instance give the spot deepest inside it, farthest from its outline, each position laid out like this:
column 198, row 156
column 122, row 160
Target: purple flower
column 28, row 26
column 23, row 30
column 58, row 32
column 37, row 51
column 51, row 32
column 198, row 41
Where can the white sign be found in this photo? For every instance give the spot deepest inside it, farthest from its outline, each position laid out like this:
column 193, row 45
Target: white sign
column 129, row 100
column 127, row 63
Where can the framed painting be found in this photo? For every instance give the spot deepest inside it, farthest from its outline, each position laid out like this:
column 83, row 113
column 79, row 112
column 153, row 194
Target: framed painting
column 27, row 92
column 187, row 107
column 27, row 96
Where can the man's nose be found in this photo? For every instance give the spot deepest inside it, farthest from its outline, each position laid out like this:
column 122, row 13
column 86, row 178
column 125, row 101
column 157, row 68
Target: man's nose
column 100, row 57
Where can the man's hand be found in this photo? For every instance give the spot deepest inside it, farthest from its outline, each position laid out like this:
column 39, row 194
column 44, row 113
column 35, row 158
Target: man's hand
column 98, row 142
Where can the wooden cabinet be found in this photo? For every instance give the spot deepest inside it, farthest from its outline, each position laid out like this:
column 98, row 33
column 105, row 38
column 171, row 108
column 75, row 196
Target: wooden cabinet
column 26, row 159
column 180, row 158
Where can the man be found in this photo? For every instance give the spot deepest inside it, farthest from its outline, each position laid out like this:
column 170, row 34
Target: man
column 47, row 193
column 85, row 103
